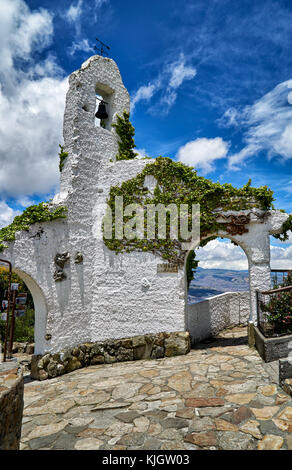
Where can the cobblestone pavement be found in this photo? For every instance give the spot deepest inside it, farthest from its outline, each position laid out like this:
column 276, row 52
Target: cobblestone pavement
column 220, row 396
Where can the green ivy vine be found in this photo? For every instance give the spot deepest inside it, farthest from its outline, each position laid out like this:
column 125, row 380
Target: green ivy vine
column 37, row 213
column 178, row 183
column 126, row 132
column 62, row 157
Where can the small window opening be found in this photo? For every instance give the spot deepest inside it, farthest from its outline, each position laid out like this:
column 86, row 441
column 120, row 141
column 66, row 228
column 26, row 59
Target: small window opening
column 104, row 103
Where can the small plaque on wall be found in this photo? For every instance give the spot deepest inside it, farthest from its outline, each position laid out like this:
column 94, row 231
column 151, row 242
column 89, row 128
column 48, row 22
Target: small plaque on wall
column 167, row 268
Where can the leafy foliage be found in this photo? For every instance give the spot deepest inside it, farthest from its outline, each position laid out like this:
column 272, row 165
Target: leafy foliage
column 287, row 226
column 24, row 326
column 62, row 157
column 191, row 265
column 179, row 184
column 126, row 133
column 278, row 310
column 37, row 213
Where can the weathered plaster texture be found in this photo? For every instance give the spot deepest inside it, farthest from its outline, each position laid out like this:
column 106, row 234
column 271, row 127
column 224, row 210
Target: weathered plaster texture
column 106, row 295
column 11, row 406
column 209, row 317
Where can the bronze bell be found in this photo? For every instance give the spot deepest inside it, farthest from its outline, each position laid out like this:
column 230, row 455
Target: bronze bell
column 101, row 112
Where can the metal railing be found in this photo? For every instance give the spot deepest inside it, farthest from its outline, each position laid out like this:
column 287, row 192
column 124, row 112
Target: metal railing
column 279, row 275
column 267, row 306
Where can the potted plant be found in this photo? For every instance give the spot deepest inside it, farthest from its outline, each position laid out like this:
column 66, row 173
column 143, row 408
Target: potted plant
column 278, row 309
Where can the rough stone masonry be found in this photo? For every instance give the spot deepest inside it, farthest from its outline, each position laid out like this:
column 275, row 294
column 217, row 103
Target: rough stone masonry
column 11, row 406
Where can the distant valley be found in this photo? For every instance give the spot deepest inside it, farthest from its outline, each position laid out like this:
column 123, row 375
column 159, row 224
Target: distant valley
column 210, row 282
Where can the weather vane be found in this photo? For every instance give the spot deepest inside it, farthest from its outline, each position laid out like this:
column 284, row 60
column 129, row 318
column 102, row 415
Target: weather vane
column 101, row 48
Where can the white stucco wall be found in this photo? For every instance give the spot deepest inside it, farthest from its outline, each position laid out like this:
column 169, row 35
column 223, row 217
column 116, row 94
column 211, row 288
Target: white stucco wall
column 209, row 317
column 107, row 295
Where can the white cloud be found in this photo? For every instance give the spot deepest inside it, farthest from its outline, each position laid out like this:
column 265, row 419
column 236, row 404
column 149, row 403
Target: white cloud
column 289, row 236
column 21, row 32
column 141, row 153
column 168, row 81
column 97, row 6
column 25, row 201
column 74, row 16
column 180, row 72
column 7, row 214
column 281, row 258
column 269, row 123
column 74, row 12
column 229, row 118
column 202, row 153
column 31, row 103
column 221, row 255
column 144, row 93
column 82, row 45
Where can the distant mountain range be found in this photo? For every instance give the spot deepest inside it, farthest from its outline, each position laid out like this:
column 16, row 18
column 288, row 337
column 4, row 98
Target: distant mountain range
column 210, row 282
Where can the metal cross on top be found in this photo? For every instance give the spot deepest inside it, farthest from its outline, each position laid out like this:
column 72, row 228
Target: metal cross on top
column 101, row 47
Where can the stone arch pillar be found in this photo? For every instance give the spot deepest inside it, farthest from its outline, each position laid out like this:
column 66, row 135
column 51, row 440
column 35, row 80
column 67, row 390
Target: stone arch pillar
column 259, row 276
column 255, row 242
column 40, row 307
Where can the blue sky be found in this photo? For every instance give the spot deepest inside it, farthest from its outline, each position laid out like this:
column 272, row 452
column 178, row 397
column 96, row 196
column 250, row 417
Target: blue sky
column 210, row 83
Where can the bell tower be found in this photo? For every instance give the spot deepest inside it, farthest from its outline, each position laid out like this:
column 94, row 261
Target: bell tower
column 88, row 144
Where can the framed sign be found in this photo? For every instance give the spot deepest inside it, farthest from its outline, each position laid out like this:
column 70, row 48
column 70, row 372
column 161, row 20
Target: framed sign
column 167, row 268
column 21, row 299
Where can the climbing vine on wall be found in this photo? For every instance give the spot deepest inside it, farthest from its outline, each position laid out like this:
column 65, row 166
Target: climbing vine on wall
column 287, row 226
column 191, row 265
column 37, row 213
column 178, row 183
column 126, row 132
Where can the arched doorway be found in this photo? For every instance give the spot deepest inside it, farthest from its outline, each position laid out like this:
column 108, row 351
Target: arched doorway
column 40, row 306
column 36, row 313
column 217, row 287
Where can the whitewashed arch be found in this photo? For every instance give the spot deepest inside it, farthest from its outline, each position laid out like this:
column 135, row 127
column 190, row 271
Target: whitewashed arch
column 40, row 310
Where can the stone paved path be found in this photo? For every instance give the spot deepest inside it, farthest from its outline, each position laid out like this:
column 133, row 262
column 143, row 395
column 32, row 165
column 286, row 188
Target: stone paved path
column 220, row 396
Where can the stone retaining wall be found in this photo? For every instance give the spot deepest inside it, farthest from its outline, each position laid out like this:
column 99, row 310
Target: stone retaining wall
column 11, row 406
column 150, row 346
column 274, row 348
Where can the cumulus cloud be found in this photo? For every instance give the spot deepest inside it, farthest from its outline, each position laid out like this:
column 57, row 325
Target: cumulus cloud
column 225, row 255
column 21, row 32
column 32, row 102
column 269, row 123
column 202, row 153
column 7, row 214
column 281, row 257
column 221, row 255
column 167, row 83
